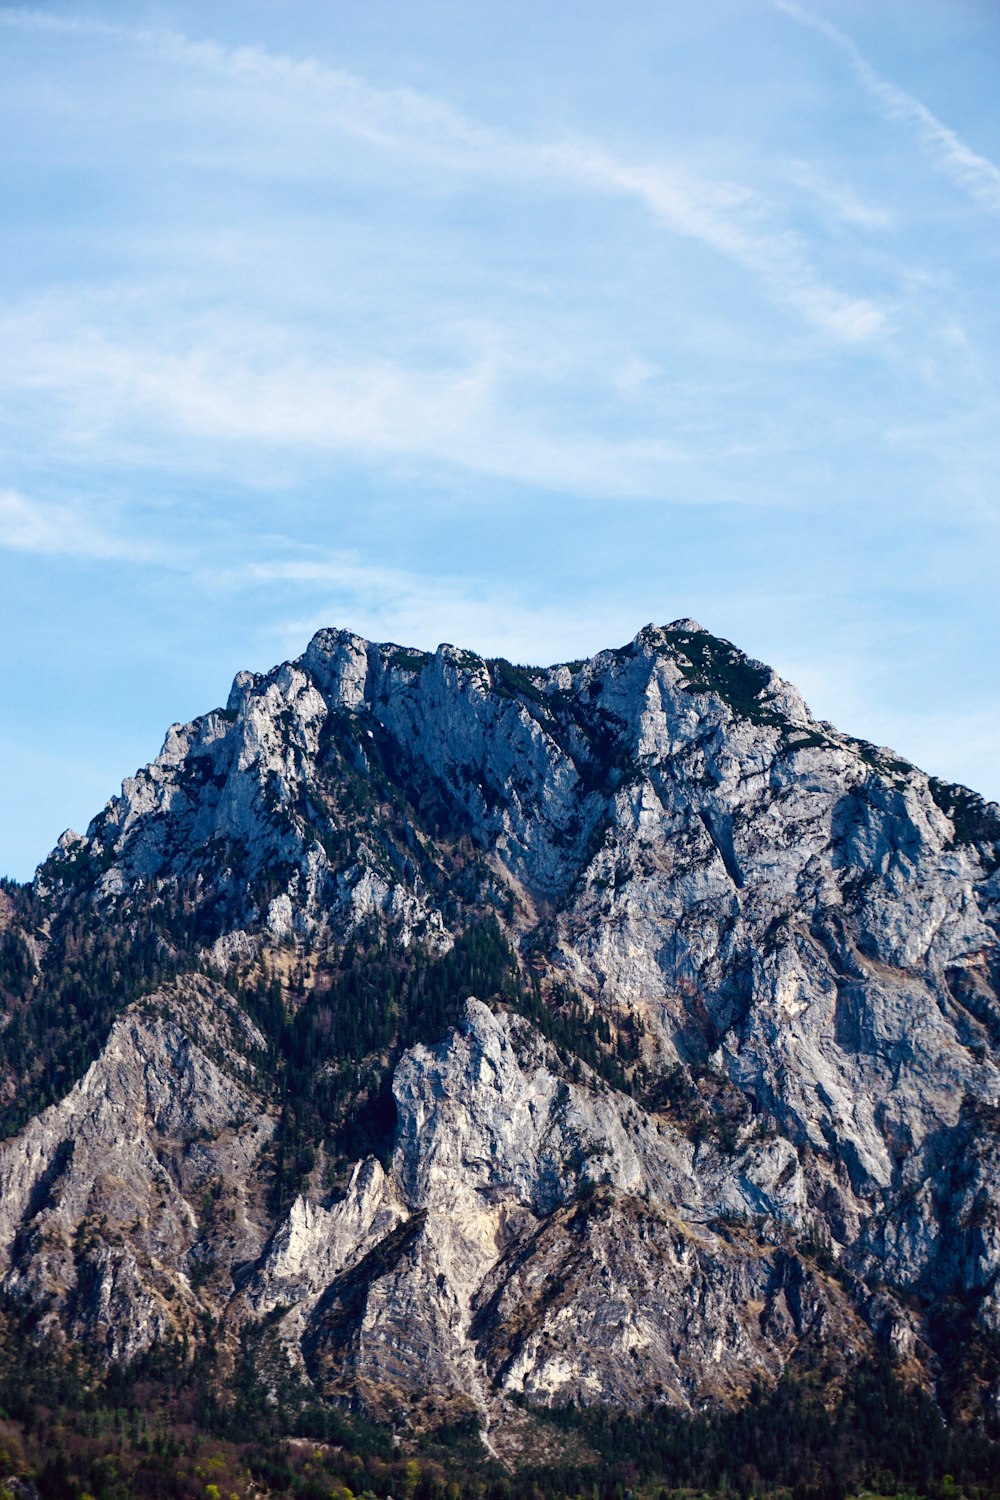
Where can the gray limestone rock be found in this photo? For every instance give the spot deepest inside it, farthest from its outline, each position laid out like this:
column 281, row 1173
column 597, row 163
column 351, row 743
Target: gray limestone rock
column 794, row 932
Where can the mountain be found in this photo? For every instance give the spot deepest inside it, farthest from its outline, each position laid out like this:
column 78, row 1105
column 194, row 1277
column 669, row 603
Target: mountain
column 488, row 1038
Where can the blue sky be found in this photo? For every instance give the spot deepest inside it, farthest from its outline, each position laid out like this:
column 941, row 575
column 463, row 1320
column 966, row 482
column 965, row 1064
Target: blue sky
column 511, row 325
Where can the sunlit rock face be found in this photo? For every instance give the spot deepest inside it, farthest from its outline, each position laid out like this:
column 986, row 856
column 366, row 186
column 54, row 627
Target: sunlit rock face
column 784, row 939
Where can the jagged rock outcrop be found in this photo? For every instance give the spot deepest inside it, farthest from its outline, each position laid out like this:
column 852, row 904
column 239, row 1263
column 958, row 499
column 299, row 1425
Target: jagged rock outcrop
column 551, row 1239
column 764, row 1120
column 110, row 1199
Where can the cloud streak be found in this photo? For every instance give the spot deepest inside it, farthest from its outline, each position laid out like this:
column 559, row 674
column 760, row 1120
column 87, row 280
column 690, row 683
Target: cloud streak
column 844, row 204
column 976, row 175
column 58, row 530
column 729, row 220
column 220, row 380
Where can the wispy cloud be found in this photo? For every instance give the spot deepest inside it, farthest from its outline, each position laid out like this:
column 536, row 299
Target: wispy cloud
column 728, row 219
column 966, row 168
column 41, row 527
column 845, row 204
column 423, row 609
column 735, row 223
column 228, row 379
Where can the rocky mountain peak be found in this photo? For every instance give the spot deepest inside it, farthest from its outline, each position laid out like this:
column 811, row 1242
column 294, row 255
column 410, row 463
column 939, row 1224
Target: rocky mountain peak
column 727, row 1099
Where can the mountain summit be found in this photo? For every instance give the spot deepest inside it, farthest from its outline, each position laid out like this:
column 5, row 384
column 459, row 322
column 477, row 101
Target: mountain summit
column 493, row 1036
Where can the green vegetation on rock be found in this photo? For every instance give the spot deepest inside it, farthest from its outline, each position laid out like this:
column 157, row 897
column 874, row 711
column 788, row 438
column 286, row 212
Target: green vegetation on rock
column 713, row 665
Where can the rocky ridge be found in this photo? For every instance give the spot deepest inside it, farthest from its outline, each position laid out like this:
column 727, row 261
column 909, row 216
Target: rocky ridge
column 733, row 1103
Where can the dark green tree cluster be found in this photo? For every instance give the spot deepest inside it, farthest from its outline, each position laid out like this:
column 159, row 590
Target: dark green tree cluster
column 17, row 967
column 331, row 1060
column 59, row 1022
column 176, row 1424
column 879, row 1434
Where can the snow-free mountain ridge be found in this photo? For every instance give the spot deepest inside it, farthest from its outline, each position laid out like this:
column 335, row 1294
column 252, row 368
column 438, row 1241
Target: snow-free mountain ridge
column 613, row 1031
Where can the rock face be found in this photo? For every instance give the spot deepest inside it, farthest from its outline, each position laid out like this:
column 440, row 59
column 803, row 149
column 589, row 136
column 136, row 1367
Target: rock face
column 750, row 1114
column 550, row 1239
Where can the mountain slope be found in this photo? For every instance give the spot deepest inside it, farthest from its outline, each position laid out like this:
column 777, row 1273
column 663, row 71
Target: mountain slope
column 733, row 1105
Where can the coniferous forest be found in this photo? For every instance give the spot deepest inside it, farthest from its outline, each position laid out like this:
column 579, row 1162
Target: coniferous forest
column 164, row 1429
